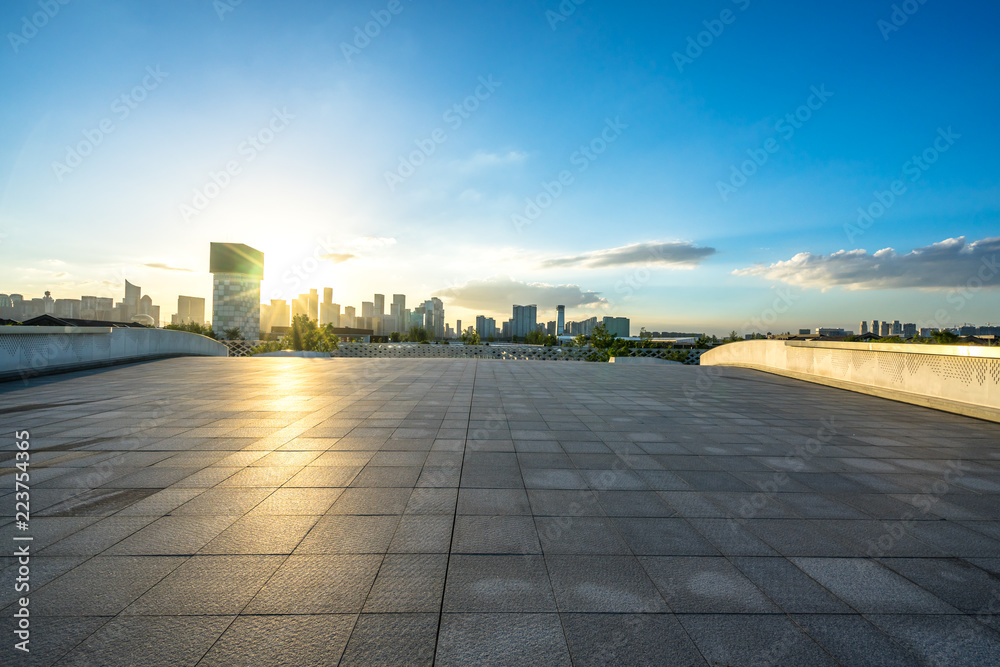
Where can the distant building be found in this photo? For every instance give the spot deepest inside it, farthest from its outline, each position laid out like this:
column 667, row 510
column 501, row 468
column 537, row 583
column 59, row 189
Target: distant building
column 329, row 312
column 831, row 331
column 897, row 328
column 274, row 316
column 237, row 270
column 560, row 320
column 379, row 304
column 67, row 308
column 909, row 330
column 348, row 321
column 875, row 330
column 885, row 330
column 524, row 320
column 486, row 327
column 863, row 328
column 617, row 326
column 189, row 309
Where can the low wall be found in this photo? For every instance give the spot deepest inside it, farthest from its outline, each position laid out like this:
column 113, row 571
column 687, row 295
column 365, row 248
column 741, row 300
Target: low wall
column 956, row 378
column 30, row 351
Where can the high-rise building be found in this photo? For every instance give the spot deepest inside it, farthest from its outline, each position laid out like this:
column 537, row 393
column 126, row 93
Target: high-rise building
column 379, row 304
column 313, row 305
column 147, row 308
column 863, row 328
column 189, row 309
column 876, row 328
column 367, row 309
column 524, row 320
column 458, row 327
column 909, row 330
column 486, row 327
column 64, row 307
column 329, row 312
column 885, row 330
column 550, row 327
column 897, row 328
column 277, row 314
column 349, row 320
column 560, row 320
column 617, row 326
column 237, row 270
column 300, row 305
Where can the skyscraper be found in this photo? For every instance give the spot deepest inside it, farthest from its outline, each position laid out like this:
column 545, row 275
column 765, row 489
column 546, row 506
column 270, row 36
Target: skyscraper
column 349, row 320
column 189, row 309
column 524, row 320
column 329, row 312
column 486, row 327
column 875, row 328
column 237, row 270
column 560, row 320
column 863, row 328
column 379, row 305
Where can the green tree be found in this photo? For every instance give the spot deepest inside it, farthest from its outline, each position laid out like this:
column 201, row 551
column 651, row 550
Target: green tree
column 303, row 336
column 535, row 337
column 471, row 337
column 944, row 337
column 395, row 337
column 232, row 333
column 550, row 341
column 417, row 335
column 193, row 327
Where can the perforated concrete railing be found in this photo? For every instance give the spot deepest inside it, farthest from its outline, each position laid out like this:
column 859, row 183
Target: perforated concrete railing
column 964, row 379
column 26, row 351
column 508, row 352
column 242, row 348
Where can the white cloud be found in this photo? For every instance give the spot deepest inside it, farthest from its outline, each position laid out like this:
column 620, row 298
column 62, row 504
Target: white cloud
column 338, row 257
column 166, row 267
column 500, row 293
column 483, row 160
column 372, row 242
column 670, row 254
column 949, row 263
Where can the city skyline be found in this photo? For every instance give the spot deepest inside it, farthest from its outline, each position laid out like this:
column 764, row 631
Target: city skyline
column 672, row 181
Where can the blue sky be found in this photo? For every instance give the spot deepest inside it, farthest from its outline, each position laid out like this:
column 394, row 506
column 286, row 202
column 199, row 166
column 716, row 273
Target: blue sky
column 644, row 129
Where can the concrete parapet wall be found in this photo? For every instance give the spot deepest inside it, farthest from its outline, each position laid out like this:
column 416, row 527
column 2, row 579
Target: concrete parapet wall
column 30, row 351
column 956, row 378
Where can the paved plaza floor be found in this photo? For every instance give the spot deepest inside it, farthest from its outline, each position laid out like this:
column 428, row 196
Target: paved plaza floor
column 407, row 511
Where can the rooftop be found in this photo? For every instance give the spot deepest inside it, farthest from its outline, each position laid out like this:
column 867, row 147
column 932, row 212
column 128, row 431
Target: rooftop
column 253, row 511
